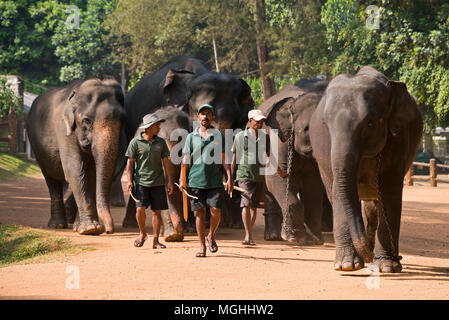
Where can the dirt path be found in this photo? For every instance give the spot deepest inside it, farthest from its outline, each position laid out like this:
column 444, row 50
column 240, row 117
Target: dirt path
column 270, row 270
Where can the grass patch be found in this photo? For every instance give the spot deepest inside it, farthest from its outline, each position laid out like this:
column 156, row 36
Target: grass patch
column 21, row 244
column 12, row 167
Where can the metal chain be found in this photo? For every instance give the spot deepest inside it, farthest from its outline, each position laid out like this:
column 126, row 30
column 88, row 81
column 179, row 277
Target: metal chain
column 383, row 211
column 286, row 216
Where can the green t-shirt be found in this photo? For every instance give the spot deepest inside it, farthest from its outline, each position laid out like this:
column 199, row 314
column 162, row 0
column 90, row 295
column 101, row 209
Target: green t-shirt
column 206, row 169
column 148, row 160
column 247, row 148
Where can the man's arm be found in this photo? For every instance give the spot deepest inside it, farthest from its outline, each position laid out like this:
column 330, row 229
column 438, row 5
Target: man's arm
column 168, row 169
column 184, row 164
column 130, row 173
column 227, row 168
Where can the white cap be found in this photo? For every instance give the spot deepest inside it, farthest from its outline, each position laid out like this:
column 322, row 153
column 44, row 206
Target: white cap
column 256, row 114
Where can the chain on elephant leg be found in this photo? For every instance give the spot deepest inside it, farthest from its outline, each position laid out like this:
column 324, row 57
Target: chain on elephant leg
column 291, row 232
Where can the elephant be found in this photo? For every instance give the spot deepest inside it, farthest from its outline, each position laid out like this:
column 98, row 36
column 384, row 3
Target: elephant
column 74, row 133
column 186, row 83
column 364, row 134
column 289, row 113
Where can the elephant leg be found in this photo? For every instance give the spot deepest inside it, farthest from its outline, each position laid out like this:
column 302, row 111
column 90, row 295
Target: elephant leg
column 273, row 218
column 312, row 196
column 346, row 257
column 116, row 196
column 85, row 196
column 326, row 221
column 386, row 250
column 370, row 211
column 71, row 209
column 57, row 211
column 130, row 220
column 170, row 234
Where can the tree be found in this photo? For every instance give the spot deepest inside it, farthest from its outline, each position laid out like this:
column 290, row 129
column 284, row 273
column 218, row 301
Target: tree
column 8, row 99
column 262, row 50
column 84, row 50
column 410, row 45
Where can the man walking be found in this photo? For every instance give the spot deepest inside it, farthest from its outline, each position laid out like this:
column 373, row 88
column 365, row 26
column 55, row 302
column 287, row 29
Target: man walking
column 248, row 147
column 146, row 153
column 204, row 157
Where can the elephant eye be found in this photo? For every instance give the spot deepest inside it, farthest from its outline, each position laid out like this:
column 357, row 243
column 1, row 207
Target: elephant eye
column 87, row 122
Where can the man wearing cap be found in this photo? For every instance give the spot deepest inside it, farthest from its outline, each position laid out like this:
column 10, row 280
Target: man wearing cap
column 248, row 148
column 204, row 157
column 146, row 153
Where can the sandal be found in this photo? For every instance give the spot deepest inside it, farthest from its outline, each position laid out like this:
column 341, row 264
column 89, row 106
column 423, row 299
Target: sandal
column 200, row 254
column 248, row 242
column 139, row 242
column 212, row 245
column 159, row 245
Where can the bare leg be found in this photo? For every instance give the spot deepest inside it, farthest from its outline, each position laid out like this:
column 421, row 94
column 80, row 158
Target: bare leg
column 249, row 218
column 157, row 222
column 201, row 230
column 141, row 219
column 215, row 216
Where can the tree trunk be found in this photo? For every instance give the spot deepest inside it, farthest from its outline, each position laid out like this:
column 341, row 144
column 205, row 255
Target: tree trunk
column 268, row 86
column 215, row 54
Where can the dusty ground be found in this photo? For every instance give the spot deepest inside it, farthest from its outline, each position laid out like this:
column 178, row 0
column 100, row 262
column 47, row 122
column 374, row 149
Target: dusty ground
column 270, row 270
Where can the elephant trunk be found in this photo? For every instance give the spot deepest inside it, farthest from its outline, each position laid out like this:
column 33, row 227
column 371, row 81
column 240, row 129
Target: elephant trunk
column 346, row 203
column 105, row 151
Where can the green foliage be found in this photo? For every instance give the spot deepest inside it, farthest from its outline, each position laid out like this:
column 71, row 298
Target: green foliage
column 410, row 45
column 256, row 86
column 8, row 99
column 84, row 50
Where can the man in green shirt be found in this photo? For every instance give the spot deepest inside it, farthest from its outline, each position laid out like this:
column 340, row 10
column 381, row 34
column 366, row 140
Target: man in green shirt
column 146, row 153
column 248, row 148
column 204, row 157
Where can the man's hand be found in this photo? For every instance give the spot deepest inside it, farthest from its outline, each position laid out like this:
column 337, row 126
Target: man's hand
column 229, row 186
column 180, row 184
column 129, row 186
column 170, row 188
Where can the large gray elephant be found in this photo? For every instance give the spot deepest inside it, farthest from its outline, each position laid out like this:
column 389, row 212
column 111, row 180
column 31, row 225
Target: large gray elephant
column 289, row 113
column 74, row 133
column 186, row 83
column 365, row 133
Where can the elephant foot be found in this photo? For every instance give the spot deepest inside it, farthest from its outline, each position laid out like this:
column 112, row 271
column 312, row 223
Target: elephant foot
column 347, row 259
column 89, row 228
column 296, row 237
column 174, row 237
column 386, row 264
column 272, row 227
column 130, row 223
column 57, row 223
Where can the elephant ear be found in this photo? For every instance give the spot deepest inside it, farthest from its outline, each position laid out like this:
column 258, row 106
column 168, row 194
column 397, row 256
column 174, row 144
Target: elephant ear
column 69, row 113
column 175, row 88
column 403, row 107
column 245, row 97
column 276, row 109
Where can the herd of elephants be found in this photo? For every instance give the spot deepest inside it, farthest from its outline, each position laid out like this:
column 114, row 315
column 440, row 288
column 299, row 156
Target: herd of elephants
column 347, row 144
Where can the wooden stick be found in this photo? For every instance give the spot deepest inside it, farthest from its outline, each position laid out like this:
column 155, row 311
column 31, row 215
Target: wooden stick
column 185, row 204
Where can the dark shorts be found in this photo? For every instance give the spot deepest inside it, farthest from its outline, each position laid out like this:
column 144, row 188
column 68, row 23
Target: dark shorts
column 151, row 196
column 206, row 198
column 255, row 193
